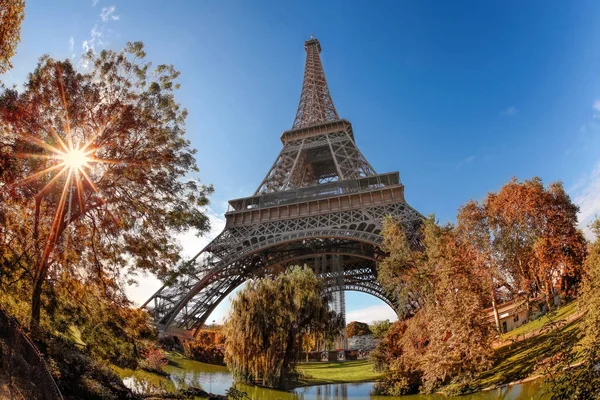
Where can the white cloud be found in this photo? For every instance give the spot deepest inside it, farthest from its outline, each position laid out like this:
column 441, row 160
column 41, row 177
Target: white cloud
column 107, row 14
column 95, row 39
column 464, row 162
column 512, row 110
column 373, row 313
column 71, row 43
column 586, row 195
column 597, row 105
column 90, row 44
column 94, row 2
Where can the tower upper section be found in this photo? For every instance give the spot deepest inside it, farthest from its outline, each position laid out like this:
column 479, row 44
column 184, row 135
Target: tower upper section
column 316, row 105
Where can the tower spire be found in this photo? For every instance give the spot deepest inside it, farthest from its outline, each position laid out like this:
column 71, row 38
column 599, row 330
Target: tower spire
column 315, row 105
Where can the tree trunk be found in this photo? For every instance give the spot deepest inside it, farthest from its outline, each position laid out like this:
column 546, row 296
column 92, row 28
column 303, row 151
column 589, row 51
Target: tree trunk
column 495, row 309
column 36, row 295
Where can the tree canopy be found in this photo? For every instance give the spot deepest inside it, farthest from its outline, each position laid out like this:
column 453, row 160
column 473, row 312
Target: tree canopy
column 268, row 321
column 525, row 238
column 356, row 328
column 380, row 328
column 522, row 241
column 11, row 17
column 447, row 336
column 96, row 171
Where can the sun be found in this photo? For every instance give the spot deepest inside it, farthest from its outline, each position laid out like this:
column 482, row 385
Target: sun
column 75, row 159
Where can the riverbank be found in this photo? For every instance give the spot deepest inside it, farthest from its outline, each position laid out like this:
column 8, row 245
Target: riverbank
column 518, row 355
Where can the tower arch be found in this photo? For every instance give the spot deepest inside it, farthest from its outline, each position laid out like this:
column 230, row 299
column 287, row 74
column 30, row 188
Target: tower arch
column 321, row 203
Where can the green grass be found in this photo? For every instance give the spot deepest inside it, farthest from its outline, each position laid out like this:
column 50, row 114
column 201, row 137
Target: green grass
column 520, row 360
column 337, row 372
column 560, row 314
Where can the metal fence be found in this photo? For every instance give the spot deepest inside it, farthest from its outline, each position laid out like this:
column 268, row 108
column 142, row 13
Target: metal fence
column 22, row 363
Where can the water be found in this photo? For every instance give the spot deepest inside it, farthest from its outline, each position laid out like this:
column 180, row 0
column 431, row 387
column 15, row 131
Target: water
column 216, row 379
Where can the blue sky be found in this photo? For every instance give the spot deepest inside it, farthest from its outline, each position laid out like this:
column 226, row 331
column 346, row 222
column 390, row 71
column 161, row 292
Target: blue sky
column 457, row 96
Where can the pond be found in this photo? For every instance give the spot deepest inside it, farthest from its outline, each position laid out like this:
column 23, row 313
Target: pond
column 216, row 379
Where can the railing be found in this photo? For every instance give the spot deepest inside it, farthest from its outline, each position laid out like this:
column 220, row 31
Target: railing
column 323, row 190
column 22, row 363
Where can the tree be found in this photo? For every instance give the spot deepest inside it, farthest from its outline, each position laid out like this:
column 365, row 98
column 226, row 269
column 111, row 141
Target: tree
column 535, row 235
column 474, row 232
column 573, row 372
column 380, row 328
column 591, row 292
column 11, row 16
column 268, row 321
column 448, row 338
column 102, row 172
column 356, row 328
column 405, row 274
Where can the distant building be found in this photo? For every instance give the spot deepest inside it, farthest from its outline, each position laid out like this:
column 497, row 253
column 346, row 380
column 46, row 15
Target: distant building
column 363, row 342
column 515, row 313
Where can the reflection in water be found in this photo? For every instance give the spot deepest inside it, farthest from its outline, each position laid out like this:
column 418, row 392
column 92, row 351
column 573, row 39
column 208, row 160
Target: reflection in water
column 216, row 379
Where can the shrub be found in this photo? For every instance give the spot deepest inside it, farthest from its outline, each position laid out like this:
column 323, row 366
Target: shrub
column 202, row 349
column 155, row 359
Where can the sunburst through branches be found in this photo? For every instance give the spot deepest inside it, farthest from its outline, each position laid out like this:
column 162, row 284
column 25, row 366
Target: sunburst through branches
column 72, row 161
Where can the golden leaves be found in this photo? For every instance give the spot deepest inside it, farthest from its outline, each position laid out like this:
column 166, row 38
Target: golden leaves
column 11, row 16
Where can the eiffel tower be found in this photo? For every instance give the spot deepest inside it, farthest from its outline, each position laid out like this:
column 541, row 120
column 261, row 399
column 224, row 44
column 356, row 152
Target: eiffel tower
column 321, row 204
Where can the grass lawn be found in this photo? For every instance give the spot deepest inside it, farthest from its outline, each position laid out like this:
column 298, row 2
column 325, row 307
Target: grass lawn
column 562, row 313
column 337, row 372
column 520, row 360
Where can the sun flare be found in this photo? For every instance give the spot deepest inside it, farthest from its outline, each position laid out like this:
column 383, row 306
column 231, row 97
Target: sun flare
column 75, row 159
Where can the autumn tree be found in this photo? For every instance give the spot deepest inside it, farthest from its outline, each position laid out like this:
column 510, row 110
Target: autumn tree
column 448, row 338
column 591, row 291
column 573, row 372
column 100, row 169
column 525, row 239
column 474, row 232
column 357, row 328
column 268, row 321
column 405, row 274
column 11, row 16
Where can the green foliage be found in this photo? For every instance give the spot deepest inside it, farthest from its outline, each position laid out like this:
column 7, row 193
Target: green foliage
column 204, row 350
column 11, row 16
column 268, row 321
column 356, row 328
column 380, row 328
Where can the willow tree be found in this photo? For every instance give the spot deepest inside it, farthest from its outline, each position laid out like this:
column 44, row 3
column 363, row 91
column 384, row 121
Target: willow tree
column 99, row 163
column 11, row 16
column 268, row 321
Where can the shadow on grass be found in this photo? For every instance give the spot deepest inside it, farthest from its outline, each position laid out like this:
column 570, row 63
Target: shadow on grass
column 519, row 360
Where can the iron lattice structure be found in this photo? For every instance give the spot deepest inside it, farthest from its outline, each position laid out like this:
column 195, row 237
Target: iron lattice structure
column 321, row 204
